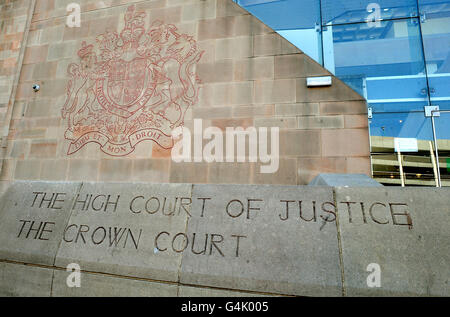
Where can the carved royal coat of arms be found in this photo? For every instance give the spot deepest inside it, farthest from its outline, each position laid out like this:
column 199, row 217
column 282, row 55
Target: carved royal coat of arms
column 131, row 86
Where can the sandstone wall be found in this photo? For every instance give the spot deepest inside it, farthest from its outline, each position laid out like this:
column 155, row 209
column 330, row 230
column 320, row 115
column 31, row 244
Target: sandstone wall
column 248, row 76
column 15, row 17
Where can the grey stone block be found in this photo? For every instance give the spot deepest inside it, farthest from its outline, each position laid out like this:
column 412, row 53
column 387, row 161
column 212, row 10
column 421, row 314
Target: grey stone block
column 239, row 237
column 113, row 228
column 404, row 231
column 33, row 216
column 99, row 285
column 223, row 240
column 17, row 280
column 344, row 180
column 188, row 291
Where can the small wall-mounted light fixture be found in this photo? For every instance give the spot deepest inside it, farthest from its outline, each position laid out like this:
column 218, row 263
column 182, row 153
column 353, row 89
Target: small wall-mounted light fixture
column 36, row 87
column 319, row 81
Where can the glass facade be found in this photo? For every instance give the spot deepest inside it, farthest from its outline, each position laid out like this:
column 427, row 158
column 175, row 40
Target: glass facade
column 395, row 53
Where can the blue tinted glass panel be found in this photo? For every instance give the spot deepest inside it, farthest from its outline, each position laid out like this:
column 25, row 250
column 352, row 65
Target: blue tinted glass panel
column 385, row 64
column 442, row 131
column 401, row 125
column 297, row 21
column 351, row 11
column 433, row 6
column 415, row 155
column 285, row 14
column 440, row 90
column 436, row 40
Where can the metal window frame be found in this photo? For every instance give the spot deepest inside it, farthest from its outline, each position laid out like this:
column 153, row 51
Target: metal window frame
column 436, row 148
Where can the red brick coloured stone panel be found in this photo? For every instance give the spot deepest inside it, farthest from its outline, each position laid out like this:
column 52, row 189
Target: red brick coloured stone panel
column 131, row 86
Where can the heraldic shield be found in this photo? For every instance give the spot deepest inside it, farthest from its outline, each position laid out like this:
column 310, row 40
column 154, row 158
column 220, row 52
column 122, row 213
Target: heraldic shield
column 132, row 86
column 127, row 87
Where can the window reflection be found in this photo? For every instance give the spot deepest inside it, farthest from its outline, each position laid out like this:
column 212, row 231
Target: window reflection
column 385, row 64
column 436, row 38
column 354, row 11
column 297, row 21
